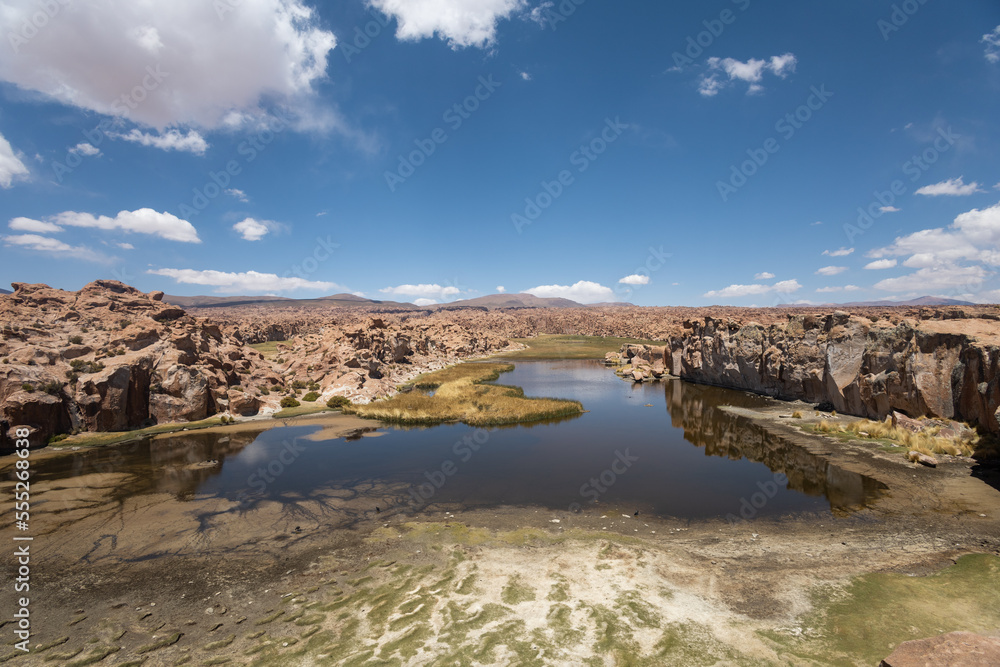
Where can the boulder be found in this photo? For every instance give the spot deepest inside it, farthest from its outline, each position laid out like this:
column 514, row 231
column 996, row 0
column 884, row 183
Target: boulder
column 243, row 403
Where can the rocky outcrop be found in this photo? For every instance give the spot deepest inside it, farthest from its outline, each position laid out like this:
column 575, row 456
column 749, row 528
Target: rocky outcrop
column 111, row 358
column 954, row 649
column 947, row 367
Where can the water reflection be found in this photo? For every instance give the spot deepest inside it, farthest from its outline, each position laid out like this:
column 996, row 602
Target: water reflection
column 696, row 410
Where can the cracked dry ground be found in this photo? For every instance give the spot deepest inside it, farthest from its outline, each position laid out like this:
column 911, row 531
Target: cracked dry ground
column 161, row 578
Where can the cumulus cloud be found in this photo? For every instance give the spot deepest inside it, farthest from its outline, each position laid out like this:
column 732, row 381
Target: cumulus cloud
column 583, row 291
column 765, row 275
column 125, row 246
column 141, row 221
column 433, row 291
column 525, row 76
column 845, row 288
column 53, row 246
column 238, row 194
column 953, row 187
column 501, row 289
column 254, row 230
column 992, row 41
column 185, row 62
column 11, row 166
column 938, row 278
column 830, row 270
column 84, row 148
column 460, row 23
column 735, row 291
column 424, row 302
column 635, row 279
column 973, row 236
column 35, row 226
column 192, row 142
column 842, row 252
column 750, row 72
column 880, row 264
column 247, row 282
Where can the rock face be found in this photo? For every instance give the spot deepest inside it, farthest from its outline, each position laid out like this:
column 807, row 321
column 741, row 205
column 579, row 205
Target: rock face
column 954, row 649
column 947, row 368
column 110, row 358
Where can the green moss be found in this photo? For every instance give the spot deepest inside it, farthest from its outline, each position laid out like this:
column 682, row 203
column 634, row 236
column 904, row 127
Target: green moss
column 515, row 592
column 169, row 640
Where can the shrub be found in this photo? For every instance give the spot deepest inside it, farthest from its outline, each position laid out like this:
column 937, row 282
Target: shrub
column 236, row 388
column 298, row 384
column 72, row 377
column 337, row 402
column 75, row 340
column 264, row 391
column 289, row 402
column 27, row 387
column 796, row 415
column 53, row 387
column 313, row 386
column 124, row 324
column 311, row 397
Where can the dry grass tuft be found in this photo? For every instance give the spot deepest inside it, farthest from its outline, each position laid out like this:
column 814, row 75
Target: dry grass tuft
column 926, row 442
column 461, row 397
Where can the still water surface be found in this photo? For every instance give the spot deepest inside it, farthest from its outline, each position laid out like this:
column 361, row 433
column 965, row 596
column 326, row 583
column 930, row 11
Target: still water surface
column 663, row 448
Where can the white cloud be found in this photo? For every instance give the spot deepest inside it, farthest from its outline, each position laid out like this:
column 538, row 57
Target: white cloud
column 125, row 246
column 842, row 252
column 735, row 291
column 939, row 278
column 845, row 288
column 201, row 62
column 953, row 187
column 880, row 264
column 239, row 194
column 254, row 230
column 459, row 22
column 247, row 282
column 11, row 166
column 501, row 289
column 889, row 209
column 635, row 279
column 973, row 236
column 525, row 76
column 84, row 148
column 424, row 302
column 851, row 288
column 36, row 226
column 433, row 291
column 992, row 41
column 583, row 291
column 54, row 246
column 816, row 224
column 830, row 270
column 173, row 140
column 766, row 275
column 141, row 221
column 751, row 72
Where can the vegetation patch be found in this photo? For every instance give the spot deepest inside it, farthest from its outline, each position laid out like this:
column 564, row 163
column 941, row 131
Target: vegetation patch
column 461, row 396
column 926, row 442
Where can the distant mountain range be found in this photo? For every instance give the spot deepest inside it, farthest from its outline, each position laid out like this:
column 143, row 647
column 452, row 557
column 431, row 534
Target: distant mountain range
column 919, row 301
column 490, row 302
column 5, row 291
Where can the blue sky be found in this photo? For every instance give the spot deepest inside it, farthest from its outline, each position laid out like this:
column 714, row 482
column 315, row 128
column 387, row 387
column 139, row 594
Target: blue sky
column 732, row 152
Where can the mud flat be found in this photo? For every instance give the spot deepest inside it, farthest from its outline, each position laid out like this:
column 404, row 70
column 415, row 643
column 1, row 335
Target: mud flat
column 179, row 578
